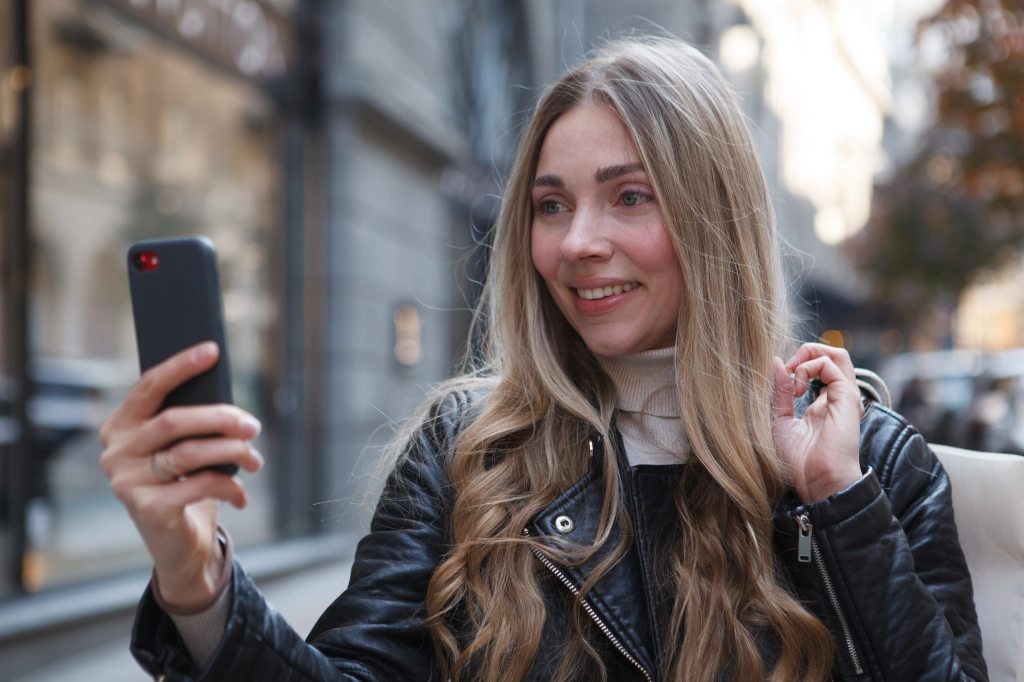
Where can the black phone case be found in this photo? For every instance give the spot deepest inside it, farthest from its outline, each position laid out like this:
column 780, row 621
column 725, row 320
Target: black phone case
column 176, row 305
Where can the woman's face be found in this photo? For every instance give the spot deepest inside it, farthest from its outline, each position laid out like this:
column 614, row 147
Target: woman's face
column 598, row 237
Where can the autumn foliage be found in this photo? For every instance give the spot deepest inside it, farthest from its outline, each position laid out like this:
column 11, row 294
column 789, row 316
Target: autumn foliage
column 956, row 208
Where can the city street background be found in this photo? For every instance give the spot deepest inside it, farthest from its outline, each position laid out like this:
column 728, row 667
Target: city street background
column 347, row 158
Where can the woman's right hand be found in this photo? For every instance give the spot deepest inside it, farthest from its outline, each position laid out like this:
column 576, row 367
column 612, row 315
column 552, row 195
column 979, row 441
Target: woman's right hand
column 176, row 514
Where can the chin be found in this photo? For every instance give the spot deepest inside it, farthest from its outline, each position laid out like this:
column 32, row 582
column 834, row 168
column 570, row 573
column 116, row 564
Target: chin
column 608, row 343
column 611, row 347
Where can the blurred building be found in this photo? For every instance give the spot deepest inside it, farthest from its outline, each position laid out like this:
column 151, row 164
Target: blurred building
column 327, row 148
column 825, row 74
column 990, row 313
column 131, row 120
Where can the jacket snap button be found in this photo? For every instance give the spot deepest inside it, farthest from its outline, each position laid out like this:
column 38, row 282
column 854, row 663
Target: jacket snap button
column 563, row 524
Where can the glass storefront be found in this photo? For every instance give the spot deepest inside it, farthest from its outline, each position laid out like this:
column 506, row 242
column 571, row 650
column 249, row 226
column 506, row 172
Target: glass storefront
column 133, row 137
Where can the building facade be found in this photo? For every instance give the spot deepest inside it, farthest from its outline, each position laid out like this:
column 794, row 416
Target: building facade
column 306, row 140
column 130, row 120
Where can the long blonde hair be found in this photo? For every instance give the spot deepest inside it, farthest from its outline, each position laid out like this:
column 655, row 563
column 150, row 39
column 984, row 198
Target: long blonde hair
column 547, row 393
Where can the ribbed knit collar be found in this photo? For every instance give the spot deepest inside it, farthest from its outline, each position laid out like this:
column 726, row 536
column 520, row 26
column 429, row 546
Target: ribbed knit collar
column 645, row 381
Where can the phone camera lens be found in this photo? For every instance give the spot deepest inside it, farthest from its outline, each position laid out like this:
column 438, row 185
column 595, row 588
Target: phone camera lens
column 146, row 261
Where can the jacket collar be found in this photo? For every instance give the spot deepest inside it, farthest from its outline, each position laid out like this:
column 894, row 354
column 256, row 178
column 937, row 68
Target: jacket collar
column 613, row 598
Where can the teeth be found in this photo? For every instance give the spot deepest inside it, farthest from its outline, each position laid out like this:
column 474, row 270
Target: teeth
column 601, row 292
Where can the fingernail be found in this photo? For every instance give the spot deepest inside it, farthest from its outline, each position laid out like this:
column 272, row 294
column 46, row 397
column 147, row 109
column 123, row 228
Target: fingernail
column 259, row 458
column 250, row 427
column 203, row 351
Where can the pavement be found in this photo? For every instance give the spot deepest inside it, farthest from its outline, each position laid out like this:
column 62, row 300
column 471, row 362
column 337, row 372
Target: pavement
column 300, row 597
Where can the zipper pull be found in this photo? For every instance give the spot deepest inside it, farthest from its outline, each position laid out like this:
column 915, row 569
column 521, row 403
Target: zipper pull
column 804, row 544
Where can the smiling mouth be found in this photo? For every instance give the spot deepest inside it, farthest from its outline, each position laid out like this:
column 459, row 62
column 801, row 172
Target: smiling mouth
column 601, row 292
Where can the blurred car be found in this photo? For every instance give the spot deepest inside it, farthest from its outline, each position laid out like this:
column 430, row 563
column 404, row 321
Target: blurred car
column 963, row 398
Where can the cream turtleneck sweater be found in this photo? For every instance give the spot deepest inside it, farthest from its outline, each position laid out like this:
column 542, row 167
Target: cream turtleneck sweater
column 648, row 418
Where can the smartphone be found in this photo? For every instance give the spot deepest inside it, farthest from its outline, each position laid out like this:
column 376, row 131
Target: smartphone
column 177, row 303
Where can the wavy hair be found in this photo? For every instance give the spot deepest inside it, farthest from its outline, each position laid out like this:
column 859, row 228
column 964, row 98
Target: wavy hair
column 547, row 394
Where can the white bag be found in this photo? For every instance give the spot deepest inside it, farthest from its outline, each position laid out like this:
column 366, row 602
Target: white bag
column 988, row 504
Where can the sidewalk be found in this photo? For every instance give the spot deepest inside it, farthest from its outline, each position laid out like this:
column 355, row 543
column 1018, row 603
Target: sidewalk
column 300, row 597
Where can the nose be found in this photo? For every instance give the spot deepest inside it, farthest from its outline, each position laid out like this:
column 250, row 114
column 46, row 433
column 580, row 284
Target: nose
column 585, row 237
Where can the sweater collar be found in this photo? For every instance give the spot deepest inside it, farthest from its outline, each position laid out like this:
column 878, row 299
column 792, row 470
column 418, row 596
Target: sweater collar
column 645, row 382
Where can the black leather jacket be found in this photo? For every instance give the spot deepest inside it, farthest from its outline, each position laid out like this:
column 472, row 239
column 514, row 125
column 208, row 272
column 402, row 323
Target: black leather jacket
column 882, row 567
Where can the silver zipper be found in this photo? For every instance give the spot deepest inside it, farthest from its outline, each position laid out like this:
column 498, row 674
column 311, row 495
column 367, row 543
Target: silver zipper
column 590, row 611
column 805, row 523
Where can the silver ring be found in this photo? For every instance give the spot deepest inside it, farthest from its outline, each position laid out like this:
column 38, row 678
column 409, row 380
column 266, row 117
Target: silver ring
column 160, row 473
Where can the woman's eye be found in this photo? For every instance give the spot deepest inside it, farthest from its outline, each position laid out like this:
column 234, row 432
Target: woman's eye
column 551, row 207
column 633, row 198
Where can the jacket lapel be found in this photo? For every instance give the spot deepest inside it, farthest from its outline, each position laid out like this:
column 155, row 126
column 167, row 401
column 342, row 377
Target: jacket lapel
column 572, row 519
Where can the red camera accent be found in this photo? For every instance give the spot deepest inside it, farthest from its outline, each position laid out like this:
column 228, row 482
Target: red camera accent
column 147, row 261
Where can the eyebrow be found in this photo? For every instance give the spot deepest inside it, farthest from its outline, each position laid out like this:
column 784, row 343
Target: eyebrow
column 549, row 181
column 611, row 172
column 601, row 176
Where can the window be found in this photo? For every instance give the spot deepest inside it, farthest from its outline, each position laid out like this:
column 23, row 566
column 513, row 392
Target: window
column 134, row 138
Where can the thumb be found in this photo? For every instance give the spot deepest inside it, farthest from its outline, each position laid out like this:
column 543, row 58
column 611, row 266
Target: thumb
column 782, row 398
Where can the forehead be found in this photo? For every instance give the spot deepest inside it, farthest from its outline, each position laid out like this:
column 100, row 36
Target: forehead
column 586, row 138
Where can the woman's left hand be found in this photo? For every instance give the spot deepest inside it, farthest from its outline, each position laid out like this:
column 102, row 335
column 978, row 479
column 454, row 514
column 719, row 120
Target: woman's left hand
column 820, row 449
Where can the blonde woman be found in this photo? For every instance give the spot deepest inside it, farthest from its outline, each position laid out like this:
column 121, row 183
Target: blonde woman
column 632, row 487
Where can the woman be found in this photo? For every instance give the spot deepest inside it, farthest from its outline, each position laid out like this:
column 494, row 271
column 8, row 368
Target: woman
column 632, row 487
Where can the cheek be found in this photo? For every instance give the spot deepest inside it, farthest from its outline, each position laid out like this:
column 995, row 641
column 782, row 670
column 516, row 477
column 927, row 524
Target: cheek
column 659, row 260
column 654, row 253
column 544, row 253
column 668, row 266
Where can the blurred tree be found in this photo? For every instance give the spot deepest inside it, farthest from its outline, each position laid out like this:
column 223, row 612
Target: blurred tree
column 956, row 209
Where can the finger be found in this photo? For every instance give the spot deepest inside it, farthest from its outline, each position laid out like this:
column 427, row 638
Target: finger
column 159, row 505
column 782, row 398
column 183, row 459
column 812, row 351
column 207, row 485
column 178, row 423
column 148, row 394
column 136, row 473
column 196, row 453
column 822, row 368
